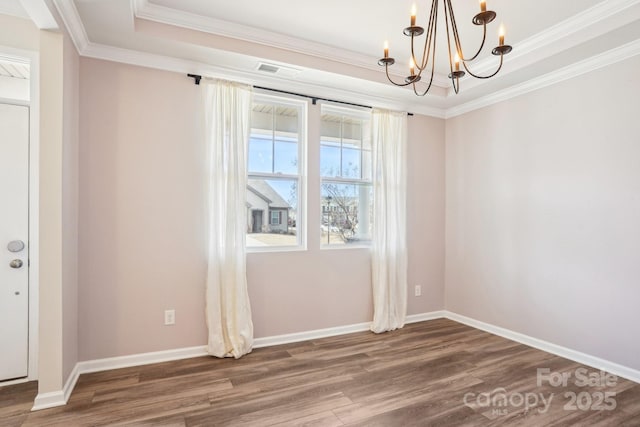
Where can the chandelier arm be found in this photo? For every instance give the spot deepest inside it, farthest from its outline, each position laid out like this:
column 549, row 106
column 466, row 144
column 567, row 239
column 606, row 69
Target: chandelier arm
column 413, row 55
column 485, row 77
column 455, row 81
column 454, row 27
column 457, row 36
column 433, row 17
column 446, row 20
column 430, row 80
column 394, row 83
column 415, row 62
column 484, row 39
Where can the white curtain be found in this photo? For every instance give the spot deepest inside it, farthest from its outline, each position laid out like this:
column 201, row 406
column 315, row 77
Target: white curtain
column 228, row 111
column 389, row 243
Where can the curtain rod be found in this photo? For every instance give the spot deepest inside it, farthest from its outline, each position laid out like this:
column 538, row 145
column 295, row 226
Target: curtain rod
column 314, row 99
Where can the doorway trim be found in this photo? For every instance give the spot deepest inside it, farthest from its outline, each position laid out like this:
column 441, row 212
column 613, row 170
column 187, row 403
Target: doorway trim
column 31, row 57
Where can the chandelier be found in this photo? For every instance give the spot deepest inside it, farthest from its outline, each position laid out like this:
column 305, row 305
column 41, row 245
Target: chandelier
column 429, row 52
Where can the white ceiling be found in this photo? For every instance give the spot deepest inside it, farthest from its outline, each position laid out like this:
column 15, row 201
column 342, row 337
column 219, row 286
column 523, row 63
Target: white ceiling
column 13, row 8
column 331, row 47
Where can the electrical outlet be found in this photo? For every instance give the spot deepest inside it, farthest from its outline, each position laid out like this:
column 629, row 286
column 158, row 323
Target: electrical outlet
column 418, row 290
column 170, row 317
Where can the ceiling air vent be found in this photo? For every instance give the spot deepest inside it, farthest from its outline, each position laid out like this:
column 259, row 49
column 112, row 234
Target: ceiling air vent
column 268, row 68
column 280, row 70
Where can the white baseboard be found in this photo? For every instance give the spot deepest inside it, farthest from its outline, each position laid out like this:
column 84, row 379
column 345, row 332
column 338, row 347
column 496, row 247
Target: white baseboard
column 310, row 335
column 61, row 397
column 58, row 398
column 118, row 362
column 567, row 353
column 338, row 330
column 423, row 317
column 49, row 400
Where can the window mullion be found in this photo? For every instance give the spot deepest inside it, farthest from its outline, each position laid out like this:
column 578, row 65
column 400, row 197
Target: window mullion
column 341, row 143
column 273, row 139
column 274, row 176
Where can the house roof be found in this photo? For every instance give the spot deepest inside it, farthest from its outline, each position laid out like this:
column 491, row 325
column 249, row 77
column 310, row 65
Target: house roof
column 262, row 189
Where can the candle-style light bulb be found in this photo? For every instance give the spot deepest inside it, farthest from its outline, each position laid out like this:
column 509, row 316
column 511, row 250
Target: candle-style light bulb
column 457, row 61
column 413, row 15
column 501, row 35
column 483, row 6
column 412, row 66
column 386, row 49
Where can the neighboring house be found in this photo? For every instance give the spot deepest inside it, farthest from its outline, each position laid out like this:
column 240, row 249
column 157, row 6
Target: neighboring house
column 267, row 212
column 342, row 213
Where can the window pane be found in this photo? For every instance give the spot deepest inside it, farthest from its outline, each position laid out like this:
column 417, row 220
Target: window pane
column 286, row 119
column 329, row 161
column 273, row 146
column 352, row 132
column 366, row 164
column 350, row 163
column 346, row 213
column 366, row 136
column 286, row 157
column 330, row 126
column 262, row 118
column 272, row 206
column 260, row 158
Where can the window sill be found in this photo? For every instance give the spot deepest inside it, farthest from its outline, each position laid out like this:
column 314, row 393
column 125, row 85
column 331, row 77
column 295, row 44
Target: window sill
column 274, row 249
column 344, row 247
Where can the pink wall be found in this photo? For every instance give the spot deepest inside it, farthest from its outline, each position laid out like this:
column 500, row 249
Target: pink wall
column 543, row 208
column 142, row 225
column 142, row 238
column 425, row 213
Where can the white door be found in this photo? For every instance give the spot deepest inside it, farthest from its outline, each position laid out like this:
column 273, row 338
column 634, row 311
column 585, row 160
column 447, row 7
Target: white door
column 14, row 235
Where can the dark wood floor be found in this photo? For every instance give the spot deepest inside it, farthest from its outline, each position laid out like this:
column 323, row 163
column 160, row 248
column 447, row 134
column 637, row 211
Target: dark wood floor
column 419, row 375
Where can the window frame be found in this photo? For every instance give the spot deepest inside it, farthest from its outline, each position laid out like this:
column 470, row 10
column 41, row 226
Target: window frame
column 365, row 115
column 300, row 177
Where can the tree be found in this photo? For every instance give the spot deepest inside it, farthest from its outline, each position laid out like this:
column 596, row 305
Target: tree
column 346, row 218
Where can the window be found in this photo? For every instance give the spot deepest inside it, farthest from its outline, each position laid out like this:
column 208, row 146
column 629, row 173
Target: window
column 274, row 190
column 276, row 217
column 345, row 169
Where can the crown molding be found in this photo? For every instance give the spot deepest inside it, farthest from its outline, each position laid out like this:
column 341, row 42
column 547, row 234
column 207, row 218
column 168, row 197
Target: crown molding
column 586, row 25
column 86, row 48
column 71, row 19
column 40, row 14
column 551, row 36
column 167, row 63
column 579, row 22
column 609, row 57
column 142, row 9
column 531, row 47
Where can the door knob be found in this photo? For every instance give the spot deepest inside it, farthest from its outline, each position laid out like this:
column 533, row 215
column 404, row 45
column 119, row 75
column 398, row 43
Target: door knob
column 16, row 263
column 15, row 246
